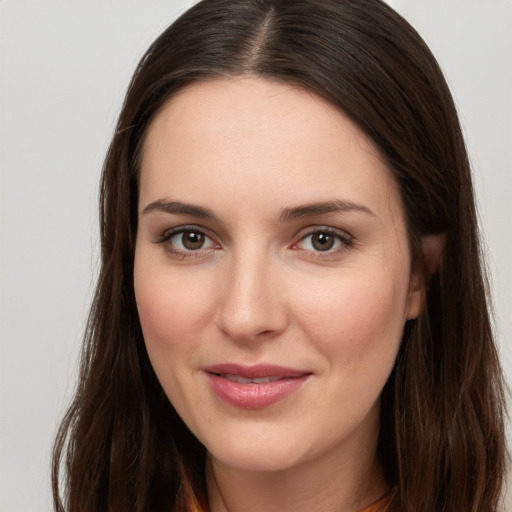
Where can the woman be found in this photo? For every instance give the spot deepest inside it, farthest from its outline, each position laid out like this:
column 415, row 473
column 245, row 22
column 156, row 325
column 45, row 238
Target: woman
column 291, row 310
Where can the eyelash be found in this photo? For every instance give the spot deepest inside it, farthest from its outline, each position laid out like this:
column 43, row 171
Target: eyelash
column 165, row 238
column 344, row 240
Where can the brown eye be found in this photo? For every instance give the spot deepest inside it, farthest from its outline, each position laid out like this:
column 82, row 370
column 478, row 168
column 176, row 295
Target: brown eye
column 192, row 240
column 183, row 240
column 325, row 241
column 187, row 241
column 322, row 241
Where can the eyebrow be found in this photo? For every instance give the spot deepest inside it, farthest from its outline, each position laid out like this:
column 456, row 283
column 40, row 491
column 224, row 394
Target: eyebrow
column 322, row 208
column 166, row 206
column 287, row 214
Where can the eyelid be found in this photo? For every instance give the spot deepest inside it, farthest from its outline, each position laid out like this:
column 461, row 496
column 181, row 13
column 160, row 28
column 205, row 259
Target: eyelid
column 165, row 237
column 347, row 240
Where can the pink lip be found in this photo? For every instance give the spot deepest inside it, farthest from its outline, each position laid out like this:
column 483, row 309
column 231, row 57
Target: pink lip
column 254, row 395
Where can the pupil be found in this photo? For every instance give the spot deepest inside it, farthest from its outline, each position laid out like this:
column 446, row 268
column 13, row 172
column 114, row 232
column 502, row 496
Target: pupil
column 323, row 241
column 192, row 240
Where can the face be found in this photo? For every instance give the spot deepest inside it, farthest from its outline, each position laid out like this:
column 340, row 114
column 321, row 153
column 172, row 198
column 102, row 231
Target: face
column 272, row 272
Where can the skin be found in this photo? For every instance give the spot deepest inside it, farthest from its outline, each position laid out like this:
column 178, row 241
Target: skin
column 259, row 291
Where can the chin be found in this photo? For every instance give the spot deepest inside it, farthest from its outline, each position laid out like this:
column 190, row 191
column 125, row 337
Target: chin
column 259, row 455
column 255, row 462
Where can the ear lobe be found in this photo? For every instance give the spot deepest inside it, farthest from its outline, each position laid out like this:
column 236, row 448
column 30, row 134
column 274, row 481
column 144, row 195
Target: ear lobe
column 432, row 248
column 415, row 297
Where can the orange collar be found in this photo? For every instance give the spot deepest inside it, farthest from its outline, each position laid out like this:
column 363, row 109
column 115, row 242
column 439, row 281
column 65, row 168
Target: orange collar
column 382, row 504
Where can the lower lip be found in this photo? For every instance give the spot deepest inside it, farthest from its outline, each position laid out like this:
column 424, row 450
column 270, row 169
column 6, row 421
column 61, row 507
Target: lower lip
column 252, row 395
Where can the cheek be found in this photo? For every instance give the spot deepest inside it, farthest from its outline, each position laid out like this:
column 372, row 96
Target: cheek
column 173, row 313
column 358, row 320
column 164, row 317
column 175, row 310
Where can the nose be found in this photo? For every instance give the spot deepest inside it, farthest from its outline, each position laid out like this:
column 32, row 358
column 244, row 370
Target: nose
column 251, row 305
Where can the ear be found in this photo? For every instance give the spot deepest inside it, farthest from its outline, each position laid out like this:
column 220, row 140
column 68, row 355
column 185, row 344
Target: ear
column 432, row 248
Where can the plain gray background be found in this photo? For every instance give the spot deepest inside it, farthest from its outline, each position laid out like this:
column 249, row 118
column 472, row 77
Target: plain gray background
column 64, row 67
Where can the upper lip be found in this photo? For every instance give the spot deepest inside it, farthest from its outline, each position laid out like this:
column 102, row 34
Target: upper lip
column 257, row 371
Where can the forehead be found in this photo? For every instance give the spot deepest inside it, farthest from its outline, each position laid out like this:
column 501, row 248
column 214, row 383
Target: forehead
column 248, row 137
column 253, row 107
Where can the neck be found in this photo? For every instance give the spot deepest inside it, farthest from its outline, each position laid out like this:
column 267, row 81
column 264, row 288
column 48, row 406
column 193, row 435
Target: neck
column 332, row 484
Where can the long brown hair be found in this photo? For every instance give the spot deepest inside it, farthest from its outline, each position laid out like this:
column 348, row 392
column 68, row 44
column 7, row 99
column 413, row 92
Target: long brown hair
column 121, row 446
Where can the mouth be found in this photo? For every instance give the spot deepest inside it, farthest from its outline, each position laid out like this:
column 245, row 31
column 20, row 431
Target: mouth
column 245, row 380
column 254, row 387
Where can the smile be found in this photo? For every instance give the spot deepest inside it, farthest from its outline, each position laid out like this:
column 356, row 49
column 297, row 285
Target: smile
column 245, row 380
column 254, row 387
